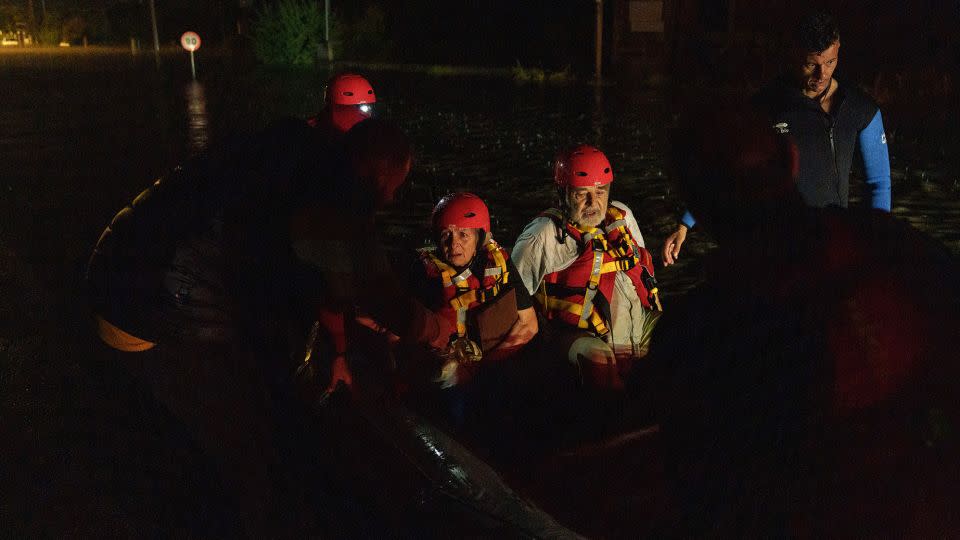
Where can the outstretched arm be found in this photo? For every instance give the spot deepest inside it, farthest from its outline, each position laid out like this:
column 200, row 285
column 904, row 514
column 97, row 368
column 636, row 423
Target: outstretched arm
column 671, row 246
column 382, row 295
column 332, row 321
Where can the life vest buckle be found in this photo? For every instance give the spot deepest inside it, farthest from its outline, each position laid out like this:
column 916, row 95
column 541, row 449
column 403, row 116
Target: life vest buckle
column 463, row 349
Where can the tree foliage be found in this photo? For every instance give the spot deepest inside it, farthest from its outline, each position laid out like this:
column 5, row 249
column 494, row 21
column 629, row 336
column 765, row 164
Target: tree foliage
column 10, row 14
column 74, row 28
column 288, row 33
column 49, row 31
column 364, row 38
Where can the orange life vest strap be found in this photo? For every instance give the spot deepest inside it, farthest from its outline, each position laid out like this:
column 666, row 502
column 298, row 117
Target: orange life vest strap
column 621, row 258
column 120, row 340
column 461, row 302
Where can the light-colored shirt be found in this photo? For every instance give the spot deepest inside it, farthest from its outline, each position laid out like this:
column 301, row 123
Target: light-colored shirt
column 538, row 253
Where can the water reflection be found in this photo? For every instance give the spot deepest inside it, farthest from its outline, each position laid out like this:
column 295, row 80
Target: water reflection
column 197, row 135
column 488, row 135
column 597, row 117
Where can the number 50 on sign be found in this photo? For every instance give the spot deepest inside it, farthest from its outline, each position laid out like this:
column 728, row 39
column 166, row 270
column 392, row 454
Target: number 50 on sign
column 190, row 41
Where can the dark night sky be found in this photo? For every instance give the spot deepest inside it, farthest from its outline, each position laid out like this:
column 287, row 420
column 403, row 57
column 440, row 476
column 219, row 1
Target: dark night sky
column 546, row 33
column 542, row 33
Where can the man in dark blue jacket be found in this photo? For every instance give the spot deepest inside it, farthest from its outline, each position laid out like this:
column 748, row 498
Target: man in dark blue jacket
column 825, row 119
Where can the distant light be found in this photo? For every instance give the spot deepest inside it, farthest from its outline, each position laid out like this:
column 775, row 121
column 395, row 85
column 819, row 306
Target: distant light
column 365, row 109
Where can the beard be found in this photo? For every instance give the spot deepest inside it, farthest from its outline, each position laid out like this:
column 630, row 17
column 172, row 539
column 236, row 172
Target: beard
column 587, row 217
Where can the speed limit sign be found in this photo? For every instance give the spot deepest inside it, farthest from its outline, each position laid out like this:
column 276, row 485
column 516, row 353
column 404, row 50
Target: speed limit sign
column 190, row 41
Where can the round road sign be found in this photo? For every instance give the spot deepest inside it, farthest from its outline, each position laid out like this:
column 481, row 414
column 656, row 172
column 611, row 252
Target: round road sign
column 190, row 41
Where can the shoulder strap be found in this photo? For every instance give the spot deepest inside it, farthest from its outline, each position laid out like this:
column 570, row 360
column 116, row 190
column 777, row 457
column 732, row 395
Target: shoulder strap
column 615, row 219
column 560, row 221
column 496, row 263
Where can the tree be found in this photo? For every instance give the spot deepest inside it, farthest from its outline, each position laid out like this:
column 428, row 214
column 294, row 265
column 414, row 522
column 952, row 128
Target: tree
column 10, row 15
column 288, row 33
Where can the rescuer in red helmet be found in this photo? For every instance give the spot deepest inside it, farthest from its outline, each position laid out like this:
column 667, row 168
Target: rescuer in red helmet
column 469, row 281
column 469, row 271
column 349, row 98
column 586, row 267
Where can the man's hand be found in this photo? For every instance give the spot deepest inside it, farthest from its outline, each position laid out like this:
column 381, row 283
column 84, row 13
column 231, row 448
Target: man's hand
column 340, row 372
column 671, row 246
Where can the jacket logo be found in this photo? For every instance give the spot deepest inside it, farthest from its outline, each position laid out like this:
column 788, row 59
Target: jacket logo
column 782, row 127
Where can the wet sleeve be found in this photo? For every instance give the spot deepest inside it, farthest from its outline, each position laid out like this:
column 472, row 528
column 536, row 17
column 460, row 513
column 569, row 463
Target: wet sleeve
column 523, row 295
column 529, row 258
column 876, row 162
column 688, row 219
column 332, row 322
column 404, row 315
column 382, row 291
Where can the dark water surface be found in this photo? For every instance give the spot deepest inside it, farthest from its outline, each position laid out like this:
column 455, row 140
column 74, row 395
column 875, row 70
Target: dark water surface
column 81, row 134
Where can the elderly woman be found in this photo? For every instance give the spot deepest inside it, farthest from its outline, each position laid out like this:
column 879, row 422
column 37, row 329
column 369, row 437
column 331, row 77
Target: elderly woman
column 470, row 280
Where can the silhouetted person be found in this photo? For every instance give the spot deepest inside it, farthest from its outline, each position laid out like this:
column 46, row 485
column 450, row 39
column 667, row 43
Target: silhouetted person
column 810, row 376
column 201, row 286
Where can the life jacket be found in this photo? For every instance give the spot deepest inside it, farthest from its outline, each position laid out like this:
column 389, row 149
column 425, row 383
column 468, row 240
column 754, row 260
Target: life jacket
column 580, row 294
column 463, row 291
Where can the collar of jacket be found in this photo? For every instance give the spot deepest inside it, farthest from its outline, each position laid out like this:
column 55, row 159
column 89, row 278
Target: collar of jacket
column 786, row 93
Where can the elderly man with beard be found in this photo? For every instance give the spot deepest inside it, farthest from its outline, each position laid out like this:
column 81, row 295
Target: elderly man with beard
column 585, row 264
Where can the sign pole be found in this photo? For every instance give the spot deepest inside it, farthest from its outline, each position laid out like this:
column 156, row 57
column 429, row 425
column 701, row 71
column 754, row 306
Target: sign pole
column 598, row 43
column 326, row 29
column 156, row 38
column 191, row 42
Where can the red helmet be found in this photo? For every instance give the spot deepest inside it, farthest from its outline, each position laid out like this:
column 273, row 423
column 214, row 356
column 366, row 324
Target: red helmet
column 582, row 166
column 349, row 99
column 463, row 210
column 349, row 89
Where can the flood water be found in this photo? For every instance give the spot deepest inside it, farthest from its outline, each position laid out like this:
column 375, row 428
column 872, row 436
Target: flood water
column 82, row 134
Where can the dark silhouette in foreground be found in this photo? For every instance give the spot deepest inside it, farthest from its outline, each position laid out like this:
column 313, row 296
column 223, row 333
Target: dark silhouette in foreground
column 204, row 288
column 812, row 378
